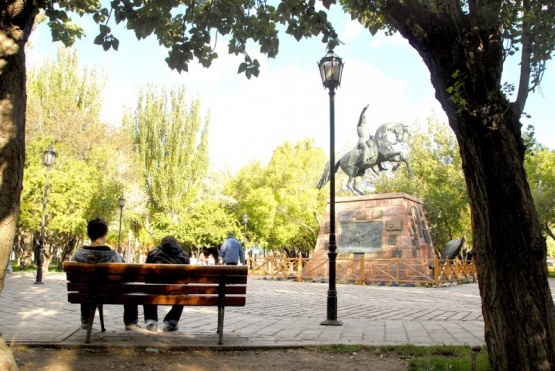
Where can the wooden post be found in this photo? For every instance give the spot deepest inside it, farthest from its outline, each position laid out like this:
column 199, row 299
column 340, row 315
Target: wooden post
column 436, row 271
column 361, row 272
column 300, row 269
column 398, row 268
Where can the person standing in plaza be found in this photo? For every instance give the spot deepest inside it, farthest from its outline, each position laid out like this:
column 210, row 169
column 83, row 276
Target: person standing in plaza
column 231, row 252
column 169, row 252
column 98, row 252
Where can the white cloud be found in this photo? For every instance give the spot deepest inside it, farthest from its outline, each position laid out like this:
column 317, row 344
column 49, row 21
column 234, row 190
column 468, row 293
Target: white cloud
column 380, row 40
column 352, row 29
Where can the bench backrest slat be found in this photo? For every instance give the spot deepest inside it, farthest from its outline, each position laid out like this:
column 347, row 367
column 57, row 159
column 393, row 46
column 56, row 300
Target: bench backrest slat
column 157, row 289
column 197, row 300
column 119, row 283
column 153, row 269
column 162, row 279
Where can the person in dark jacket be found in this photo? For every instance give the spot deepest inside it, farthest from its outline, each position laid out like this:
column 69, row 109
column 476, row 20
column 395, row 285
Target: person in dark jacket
column 98, row 252
column 169, row 252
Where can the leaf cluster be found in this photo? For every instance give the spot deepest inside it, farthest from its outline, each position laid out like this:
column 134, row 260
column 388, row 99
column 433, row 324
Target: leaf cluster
column 540, row 172
column 189, row 29
column 281, row 199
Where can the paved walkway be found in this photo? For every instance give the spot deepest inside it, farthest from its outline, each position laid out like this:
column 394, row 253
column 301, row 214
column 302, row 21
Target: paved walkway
column 277, row 314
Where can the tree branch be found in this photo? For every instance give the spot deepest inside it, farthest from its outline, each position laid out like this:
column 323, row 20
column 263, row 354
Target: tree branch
column 526, row 40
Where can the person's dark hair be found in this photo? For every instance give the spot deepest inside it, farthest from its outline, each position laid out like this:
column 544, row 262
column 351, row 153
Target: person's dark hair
column 170, row 241
column 97, row 228
column 230, row 235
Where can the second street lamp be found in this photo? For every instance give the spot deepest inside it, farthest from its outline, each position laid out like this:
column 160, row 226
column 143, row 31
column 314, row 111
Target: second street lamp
column 331, row 69
column 121, row 202
column 49, row 156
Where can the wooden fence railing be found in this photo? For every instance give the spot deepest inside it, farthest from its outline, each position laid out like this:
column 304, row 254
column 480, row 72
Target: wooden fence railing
column 367, row 271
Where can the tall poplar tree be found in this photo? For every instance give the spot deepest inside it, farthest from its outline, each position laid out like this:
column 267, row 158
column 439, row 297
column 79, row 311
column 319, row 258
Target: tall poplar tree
column 65, row 102
column 171, row 139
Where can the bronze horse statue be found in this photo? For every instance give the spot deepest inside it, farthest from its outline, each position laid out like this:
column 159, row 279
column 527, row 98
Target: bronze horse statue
column 355, row 166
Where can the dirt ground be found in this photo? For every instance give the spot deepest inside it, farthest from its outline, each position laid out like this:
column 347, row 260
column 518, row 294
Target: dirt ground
column 48, row 359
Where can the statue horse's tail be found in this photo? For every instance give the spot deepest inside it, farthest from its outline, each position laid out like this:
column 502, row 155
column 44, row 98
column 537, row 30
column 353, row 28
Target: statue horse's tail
column 326, row 175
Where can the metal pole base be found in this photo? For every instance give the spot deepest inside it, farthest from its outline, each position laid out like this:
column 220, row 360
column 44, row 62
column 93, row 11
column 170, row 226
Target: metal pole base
column 39, row 276
column 332, row 322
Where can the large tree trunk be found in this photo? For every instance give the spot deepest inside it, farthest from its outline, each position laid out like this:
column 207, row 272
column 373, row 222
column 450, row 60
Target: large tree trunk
column 518, row 309
column 465, row 59
column 517, row 306
column 510, row 251
column 16, row 20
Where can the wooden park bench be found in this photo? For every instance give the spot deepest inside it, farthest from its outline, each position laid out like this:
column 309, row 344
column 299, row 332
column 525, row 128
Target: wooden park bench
column 161, row 284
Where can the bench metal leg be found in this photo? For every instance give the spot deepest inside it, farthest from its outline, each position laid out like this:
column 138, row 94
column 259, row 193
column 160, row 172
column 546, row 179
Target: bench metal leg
column 101, row 314
column 92, row 310
column 221, row 307
column 221, row 324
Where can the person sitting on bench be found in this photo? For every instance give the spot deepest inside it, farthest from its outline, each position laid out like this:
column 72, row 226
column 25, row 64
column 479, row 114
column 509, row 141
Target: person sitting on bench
column 98, row 252
column 169, row 252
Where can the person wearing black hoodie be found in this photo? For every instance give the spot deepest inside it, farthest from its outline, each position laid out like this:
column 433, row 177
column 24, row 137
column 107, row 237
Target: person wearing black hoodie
column 169, row 252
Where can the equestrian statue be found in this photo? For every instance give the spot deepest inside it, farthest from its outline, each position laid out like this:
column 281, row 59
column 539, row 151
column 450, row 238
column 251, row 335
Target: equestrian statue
column 371, row 152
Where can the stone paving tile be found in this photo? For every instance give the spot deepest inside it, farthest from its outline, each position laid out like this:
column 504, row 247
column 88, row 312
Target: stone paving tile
column 277, row 313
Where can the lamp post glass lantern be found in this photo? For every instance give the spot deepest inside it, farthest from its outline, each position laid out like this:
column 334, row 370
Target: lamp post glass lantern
column 331, row 69
column 49, row 156
column 121, row 202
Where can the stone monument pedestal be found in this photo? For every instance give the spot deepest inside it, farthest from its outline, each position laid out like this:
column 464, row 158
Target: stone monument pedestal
column 382, row 226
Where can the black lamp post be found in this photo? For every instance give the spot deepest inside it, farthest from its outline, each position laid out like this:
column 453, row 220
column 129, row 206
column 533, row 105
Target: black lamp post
column 331, row 68
column 49, row 156
column 121, row 202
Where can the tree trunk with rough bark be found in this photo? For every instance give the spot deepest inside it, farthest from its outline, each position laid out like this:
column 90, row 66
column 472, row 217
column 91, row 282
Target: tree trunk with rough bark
column 16, row 20
column 517, row 305
column 466, row 61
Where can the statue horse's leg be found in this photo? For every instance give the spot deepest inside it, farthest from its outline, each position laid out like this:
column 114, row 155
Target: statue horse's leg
column 357, row 181
column 408, row 166
column 398, row 161
column 355, row 173
column 351, row 184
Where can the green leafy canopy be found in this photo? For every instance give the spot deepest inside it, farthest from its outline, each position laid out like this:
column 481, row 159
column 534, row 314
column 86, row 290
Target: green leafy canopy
column 190, row 29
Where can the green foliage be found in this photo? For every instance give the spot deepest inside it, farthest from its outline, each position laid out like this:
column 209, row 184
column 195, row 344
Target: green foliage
column 171, row 141
column 92, row 159
column 209, row 223
column 456, row 91
column 529, row 22
column 540, row 171
column 281, row 199
column 64, row 101
column 437, row 357
column 190, row 29
column 449, row 363
column 293, row 172
column 438, row 181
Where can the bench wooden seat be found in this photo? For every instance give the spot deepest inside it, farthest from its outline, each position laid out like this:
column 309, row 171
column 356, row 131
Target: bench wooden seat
column 161, row 284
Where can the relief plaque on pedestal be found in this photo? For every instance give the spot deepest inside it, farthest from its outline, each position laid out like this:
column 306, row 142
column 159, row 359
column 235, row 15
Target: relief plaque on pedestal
column 360, row 237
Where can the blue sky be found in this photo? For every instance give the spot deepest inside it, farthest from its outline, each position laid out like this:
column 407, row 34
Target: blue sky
column 250, row 118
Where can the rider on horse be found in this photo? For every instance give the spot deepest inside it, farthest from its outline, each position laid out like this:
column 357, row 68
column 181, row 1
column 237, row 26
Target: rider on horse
column 363, row 136
column 366, row 144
